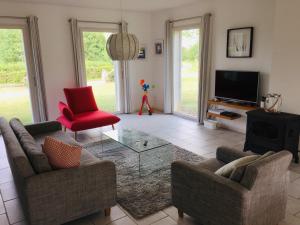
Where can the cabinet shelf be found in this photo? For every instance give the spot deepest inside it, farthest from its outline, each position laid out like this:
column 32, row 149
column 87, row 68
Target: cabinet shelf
column 228, row 105
column 232, row 105
column 214, row 115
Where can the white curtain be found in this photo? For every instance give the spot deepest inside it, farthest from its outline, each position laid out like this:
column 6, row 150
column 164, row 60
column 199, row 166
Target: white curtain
column 168, row 78
column 205, row 66
column 77, row 53
column 124, row 70
column 37, row 67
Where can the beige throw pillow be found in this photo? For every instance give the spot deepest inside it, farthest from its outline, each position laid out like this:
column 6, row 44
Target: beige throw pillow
column 227, row 169
column 238, row 173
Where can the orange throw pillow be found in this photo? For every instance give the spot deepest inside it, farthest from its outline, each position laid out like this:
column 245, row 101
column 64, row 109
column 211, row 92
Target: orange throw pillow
column 61, row 155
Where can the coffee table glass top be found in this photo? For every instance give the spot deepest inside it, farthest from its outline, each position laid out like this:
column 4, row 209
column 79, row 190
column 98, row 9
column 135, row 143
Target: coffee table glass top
column 136, row 140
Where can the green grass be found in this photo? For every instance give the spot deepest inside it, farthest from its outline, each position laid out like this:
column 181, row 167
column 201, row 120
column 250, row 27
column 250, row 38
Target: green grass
column 105, row 96
column 189, row 96
column 15, row 102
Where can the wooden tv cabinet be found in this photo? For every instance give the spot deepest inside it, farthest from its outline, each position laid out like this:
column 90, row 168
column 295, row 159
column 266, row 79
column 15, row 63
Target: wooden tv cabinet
column 230, row 105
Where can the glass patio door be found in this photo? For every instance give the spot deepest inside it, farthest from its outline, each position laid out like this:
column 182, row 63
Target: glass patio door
column 100, row 71
column 186, row 71
column 15, row 97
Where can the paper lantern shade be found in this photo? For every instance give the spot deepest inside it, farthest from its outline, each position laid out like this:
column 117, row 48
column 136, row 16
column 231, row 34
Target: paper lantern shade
column 122, row 46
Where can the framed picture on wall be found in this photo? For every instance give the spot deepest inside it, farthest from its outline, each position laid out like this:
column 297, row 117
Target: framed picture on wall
column 142, row 53
column 240, row 42
column 159, row 47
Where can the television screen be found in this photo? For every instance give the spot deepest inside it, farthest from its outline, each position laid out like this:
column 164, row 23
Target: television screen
column 237, row 85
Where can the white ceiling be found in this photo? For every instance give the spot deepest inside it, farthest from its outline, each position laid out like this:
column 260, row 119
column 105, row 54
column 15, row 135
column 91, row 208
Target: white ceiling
column 137, row 5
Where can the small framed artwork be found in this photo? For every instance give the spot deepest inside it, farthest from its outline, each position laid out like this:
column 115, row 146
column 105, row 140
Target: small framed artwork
column 240, row 42
column 142, row 53
column 159, row 47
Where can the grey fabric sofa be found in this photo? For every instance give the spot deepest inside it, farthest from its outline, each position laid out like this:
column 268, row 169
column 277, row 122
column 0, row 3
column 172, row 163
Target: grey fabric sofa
column 258, row 199
column 55, row 197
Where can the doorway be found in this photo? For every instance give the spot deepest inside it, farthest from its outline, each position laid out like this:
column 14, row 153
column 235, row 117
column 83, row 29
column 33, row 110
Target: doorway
column 186, row 71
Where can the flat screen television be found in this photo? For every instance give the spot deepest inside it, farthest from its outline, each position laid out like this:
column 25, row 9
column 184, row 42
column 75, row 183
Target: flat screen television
column 240, row 86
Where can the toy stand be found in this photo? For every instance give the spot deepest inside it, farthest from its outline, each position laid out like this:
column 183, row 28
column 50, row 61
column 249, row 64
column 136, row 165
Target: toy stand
column 145, row 101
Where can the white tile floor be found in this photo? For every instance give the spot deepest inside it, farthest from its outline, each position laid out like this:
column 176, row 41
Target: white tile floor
column 184, row 133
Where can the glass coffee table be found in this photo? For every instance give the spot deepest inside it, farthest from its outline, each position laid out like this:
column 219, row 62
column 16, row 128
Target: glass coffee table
column 153, row 153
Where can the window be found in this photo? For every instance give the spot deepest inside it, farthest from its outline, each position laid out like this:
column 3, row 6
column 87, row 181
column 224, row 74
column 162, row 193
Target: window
column 16, row 86
column 186, row 71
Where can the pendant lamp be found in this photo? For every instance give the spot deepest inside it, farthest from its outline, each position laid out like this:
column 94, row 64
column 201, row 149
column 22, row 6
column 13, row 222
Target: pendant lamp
column 123, row 45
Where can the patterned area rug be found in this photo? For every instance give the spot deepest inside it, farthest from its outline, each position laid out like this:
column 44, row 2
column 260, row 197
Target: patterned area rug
column 147, row 191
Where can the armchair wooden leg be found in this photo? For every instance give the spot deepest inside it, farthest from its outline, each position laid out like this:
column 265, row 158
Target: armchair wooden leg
column 75, row 135
column 113, row 126
column 180, row 213
column 65, row 129
column 107, row 212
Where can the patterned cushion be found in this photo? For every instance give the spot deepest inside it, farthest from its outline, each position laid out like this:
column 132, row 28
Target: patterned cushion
column 61, row 155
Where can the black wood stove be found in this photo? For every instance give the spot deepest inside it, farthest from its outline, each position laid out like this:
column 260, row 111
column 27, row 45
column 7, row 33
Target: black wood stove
column 272, row 132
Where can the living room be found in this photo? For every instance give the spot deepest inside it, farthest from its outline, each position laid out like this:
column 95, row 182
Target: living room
column 51, row 48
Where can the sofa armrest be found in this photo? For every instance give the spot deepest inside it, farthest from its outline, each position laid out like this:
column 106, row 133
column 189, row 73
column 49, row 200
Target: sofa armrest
column 62, row 195
column 203, row 194
column 227, row 155
column 44, row 127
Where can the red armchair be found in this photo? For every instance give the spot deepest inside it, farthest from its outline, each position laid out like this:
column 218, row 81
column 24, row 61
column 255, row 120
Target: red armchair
column 82, row 112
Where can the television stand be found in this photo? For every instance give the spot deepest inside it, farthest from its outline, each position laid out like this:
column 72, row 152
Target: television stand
column 230, row 105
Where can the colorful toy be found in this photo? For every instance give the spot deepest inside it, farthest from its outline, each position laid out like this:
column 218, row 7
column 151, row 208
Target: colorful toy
column 145, row 100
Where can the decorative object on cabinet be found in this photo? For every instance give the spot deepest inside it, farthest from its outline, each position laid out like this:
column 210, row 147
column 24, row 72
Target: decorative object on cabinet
column 273, row 103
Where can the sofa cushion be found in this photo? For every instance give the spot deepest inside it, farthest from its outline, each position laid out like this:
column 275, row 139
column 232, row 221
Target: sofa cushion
column 66, row 111
column 61, row 155
column 59, row 135
column 227, row 169
column 89, row 120
column 238, row 173
column 36, row 156
column 81, row 99
column 86, row 157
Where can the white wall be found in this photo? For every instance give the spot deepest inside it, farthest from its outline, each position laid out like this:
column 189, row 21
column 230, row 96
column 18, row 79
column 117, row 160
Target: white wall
column 285, row 77
column 226, row 14
column 272, row 19
column 56, row 46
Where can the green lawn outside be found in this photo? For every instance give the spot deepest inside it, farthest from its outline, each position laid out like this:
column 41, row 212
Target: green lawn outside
column 189, row 96
column 15, row 102
column 105, row 96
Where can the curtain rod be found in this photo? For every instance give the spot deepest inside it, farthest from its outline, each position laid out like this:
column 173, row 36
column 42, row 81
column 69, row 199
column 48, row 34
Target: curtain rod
column 13, row 17
column 188, row 18
column 86, row 21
